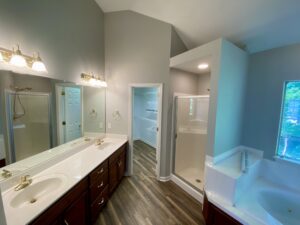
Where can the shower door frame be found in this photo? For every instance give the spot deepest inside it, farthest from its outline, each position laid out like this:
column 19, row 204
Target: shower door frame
column 10, row 149
column 193, row 191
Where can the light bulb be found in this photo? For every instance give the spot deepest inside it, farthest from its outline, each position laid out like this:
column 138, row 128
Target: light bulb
column 203, row 66
column 93, row 81
column 17, row 59
column 1, row 57
column 39, row 66
column 103, row 84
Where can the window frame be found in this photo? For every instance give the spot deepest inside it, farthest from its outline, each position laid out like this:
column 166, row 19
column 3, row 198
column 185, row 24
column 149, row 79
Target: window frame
column 280, row 124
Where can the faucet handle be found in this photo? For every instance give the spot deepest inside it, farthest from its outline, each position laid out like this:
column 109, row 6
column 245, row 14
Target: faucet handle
column 6, row 173
column 25, row 178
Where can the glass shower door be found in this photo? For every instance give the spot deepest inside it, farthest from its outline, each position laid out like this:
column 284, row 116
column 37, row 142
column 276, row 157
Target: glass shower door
column 30, row 130
column 190, row 138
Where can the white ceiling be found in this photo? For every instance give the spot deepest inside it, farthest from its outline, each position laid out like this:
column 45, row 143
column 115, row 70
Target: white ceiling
column 192, row 66
column 259, row 24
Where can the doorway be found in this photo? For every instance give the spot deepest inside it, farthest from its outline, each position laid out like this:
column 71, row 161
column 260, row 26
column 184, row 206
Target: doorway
column 145, row 129
column 69, row 112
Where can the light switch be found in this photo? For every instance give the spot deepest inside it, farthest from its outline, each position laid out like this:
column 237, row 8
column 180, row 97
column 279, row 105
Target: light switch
column 100, row 125
column 109, row 125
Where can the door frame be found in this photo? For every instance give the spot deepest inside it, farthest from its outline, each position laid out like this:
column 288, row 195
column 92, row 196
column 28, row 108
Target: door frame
column 159, row 87
column 58, row 102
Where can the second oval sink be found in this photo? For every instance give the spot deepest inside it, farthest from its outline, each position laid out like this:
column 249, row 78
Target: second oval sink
column 40, row 189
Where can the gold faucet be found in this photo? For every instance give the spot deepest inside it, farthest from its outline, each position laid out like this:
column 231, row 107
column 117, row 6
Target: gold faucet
column 99, row 141
column 6, row 173
column 24, row 182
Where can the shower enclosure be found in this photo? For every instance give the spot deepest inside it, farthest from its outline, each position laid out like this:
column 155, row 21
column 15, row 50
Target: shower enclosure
column 190, row 128
column 29, row 123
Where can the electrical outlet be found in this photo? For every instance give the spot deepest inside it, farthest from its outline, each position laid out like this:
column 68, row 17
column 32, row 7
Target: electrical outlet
column 101, row 125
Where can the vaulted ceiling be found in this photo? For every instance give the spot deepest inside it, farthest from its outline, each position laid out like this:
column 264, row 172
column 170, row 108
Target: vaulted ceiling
column 258, row 24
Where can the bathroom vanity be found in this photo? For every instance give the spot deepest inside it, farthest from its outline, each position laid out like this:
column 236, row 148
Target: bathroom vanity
column 73, row 190
column 83, row 203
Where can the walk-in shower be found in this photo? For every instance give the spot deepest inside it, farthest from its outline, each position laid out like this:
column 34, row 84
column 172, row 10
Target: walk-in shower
column 190, row 131
column 29, row 123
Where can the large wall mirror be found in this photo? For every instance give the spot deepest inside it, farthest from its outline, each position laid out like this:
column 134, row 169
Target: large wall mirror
column 39, row 113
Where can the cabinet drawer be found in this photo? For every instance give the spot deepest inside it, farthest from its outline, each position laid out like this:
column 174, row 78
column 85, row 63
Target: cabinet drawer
column 98, row 186
column 99, row 171
column 98, row 204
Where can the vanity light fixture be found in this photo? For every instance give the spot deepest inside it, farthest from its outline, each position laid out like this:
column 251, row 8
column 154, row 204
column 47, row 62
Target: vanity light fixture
column 93, row 80
column 16, row 58
column 38, row 64
column 1, row 57
column 203, row 66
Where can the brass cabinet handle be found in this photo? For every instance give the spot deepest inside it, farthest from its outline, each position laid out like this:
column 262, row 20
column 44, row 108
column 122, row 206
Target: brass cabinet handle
column 101, row 185
column 66, row 222
column 102, row 201
column 101, row 171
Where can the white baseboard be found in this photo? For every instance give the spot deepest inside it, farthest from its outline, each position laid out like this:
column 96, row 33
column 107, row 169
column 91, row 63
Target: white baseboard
column 190, row 190
column 164, row 179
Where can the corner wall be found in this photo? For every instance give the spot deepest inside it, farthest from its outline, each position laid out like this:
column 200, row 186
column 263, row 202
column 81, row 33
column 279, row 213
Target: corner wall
column 137, row 50
column 268, row 71
column 230, row 98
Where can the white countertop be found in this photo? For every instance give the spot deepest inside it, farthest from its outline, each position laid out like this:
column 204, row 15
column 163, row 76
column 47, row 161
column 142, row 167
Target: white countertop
column 74, row 168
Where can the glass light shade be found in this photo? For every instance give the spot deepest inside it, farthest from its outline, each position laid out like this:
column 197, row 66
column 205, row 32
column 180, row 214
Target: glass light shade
column 93, row 81
column 39, row 66
column 1, row 57
column 103, row 84
column 18, row 60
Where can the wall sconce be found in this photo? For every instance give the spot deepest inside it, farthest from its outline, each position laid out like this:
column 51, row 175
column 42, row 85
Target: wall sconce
column 16, row 58
column 92, row 80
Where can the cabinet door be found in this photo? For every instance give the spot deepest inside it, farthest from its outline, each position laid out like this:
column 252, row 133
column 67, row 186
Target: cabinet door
column 121, row 166
column 77, row 213
column 113, row 175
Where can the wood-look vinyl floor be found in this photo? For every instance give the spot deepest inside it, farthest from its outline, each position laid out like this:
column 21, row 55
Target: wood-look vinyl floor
column 142, row 200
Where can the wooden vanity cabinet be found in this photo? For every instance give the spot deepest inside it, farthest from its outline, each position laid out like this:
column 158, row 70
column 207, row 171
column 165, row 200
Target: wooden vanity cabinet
column 98, row 190
column 215, row 216
column 84, row 202
column 117, row 167
column 71, row 207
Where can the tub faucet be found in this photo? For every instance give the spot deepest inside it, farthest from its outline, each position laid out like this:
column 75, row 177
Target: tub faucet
column 245, row 161
column 24, row 182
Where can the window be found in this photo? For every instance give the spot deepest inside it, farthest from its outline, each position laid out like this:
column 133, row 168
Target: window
column 289, row 135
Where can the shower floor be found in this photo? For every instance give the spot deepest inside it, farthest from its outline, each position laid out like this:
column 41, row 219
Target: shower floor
column 192, row 176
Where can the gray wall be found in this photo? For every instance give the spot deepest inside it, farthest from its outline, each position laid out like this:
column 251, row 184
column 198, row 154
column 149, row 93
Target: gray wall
column 204, row 84
column 267, row 72
column 189, row 83
column 230, row 98
column 68, row 34
column 177, row 45
column 137, row 50
column 183, row 82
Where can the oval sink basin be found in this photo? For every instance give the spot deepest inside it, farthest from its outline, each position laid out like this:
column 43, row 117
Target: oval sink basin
column 41, row 189
column 282, row 206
